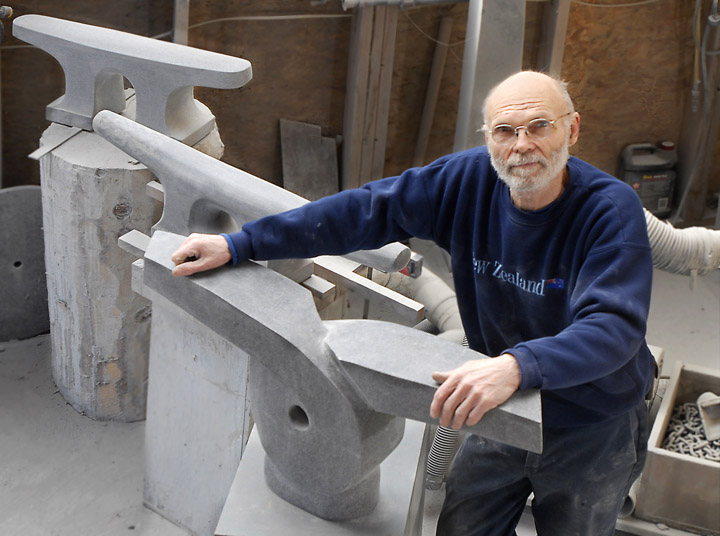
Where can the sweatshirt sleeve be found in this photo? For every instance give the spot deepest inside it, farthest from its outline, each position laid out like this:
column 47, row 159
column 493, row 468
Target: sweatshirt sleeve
column 369, row 217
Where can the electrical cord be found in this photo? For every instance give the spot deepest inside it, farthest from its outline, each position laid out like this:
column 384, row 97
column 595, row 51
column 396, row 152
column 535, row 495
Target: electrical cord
column 632, row 4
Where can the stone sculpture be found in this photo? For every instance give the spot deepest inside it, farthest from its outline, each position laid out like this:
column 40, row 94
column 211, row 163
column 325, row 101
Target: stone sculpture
column 328, row 398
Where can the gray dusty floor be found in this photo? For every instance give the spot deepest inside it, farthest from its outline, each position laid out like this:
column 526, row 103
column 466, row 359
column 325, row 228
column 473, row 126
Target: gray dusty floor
column 62, row 474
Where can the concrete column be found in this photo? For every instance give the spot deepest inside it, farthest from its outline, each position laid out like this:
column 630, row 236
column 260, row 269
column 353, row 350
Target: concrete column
column 92, row 193
column 493, row 51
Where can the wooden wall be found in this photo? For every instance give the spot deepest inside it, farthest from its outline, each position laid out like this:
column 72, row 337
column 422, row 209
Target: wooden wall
column 629, row 69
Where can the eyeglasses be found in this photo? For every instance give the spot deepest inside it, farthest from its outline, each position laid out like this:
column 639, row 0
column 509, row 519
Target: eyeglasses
column 535, row 129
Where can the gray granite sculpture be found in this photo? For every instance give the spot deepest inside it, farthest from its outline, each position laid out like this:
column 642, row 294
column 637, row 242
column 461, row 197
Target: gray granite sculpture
column 95, row 61
column 328, row 398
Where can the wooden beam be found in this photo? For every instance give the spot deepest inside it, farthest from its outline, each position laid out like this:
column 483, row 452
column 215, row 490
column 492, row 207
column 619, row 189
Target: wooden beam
column 355, row 95
column 367, row 101
column 433, row 90
column 386, row 31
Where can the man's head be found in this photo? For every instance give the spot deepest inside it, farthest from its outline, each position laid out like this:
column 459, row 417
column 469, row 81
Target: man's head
column 530, row 123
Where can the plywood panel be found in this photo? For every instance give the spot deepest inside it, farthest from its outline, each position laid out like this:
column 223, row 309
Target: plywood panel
column 629, row 71
column 299, row 68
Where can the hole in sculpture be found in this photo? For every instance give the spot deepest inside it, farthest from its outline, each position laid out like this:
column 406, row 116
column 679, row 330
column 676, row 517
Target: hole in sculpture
column 299, row 418
column 206, row 217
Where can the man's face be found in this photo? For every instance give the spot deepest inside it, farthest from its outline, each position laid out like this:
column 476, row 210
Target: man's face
column 529, row 164
column 528, row 172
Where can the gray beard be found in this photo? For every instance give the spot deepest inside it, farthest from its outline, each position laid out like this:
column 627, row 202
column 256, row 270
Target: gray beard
column 523, row 182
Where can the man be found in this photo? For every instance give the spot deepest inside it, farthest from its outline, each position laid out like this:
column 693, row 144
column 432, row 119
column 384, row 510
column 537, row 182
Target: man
column 552, row 269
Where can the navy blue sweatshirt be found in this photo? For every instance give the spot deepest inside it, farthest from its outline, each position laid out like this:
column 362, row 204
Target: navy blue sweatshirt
column 566, row 289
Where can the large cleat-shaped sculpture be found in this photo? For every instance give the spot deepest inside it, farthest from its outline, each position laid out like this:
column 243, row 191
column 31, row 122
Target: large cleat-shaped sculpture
column 329, row 398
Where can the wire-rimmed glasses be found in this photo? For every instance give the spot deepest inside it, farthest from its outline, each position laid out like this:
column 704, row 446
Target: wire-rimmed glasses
column 535, row 129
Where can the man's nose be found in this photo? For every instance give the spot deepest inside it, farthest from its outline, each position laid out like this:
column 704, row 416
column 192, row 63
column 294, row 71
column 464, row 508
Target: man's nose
column 523, row 142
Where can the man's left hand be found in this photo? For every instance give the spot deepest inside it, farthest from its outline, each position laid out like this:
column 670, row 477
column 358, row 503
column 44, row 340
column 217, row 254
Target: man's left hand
column 471, row 390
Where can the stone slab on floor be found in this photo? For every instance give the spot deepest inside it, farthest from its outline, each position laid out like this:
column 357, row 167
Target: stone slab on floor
column 253, row 510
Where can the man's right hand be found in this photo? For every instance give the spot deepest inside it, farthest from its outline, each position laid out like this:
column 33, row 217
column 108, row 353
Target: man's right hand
column 200, row 252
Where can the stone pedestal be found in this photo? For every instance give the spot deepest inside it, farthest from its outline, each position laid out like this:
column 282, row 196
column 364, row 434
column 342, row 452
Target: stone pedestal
column 198, row 419
column 252, row 509
column 92, row 193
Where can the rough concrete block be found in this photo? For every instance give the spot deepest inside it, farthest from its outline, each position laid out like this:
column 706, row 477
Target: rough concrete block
column 99, row 328
column 95, row 60
column 94, row 193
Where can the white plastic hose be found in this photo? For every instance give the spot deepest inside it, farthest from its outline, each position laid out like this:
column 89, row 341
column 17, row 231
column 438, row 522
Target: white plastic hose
column 440, row 302
column 694, row 250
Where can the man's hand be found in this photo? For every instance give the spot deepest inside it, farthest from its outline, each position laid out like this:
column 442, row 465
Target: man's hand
column 471, row 390
column 200, row 252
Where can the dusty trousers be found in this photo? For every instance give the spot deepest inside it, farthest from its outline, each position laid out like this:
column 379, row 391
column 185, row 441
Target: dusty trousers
column 579, row 482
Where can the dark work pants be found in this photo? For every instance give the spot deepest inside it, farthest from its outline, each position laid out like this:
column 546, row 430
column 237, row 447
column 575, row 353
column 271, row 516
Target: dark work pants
column 579, row 482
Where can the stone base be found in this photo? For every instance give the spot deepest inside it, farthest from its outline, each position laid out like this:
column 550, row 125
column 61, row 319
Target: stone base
column 252, row 509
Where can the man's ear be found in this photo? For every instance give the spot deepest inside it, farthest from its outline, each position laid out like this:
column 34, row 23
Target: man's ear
column 574, row 128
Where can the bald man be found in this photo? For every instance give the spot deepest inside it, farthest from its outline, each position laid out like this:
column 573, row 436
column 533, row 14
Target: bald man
column 552, row 270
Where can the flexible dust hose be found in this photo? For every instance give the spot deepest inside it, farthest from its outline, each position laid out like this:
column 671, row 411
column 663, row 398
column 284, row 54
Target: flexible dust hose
column 440, row 302
column 442, row 452
column 628, row 507
column 441, row 311
column 694, row 250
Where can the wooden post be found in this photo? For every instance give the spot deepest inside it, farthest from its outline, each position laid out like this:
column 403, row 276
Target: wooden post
column 438, row 66
column 367, row 100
